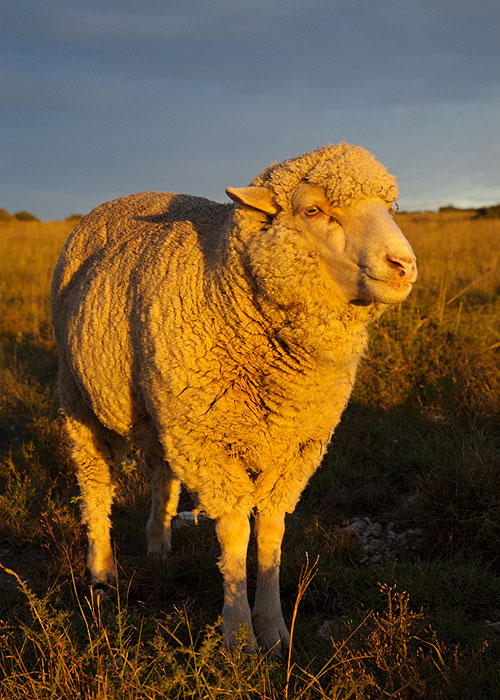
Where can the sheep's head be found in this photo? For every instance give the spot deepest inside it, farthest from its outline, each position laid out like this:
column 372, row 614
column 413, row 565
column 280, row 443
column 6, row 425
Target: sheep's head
column 342, row 206
column 360, row 245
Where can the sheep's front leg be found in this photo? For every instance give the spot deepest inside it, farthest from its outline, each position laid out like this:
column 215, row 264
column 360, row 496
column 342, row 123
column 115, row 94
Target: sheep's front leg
column 268, row 621
column 233, row 533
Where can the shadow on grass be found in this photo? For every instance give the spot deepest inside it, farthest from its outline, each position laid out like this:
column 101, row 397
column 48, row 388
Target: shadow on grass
column 441, row 474
column 33, row 358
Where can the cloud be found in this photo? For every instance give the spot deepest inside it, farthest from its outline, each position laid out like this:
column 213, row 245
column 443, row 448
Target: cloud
column 418, row 50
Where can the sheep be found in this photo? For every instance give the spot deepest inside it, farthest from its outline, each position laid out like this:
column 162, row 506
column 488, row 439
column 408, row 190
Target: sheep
column 222, row 340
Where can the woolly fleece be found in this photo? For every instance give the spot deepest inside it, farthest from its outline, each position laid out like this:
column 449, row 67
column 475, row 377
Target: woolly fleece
column 210, row 336
column 347, row 172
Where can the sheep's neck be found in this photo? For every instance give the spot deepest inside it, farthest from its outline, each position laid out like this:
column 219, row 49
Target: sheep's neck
column 287, row 298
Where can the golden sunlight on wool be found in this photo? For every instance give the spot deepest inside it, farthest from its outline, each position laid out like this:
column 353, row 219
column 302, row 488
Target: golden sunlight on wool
column 223, row 340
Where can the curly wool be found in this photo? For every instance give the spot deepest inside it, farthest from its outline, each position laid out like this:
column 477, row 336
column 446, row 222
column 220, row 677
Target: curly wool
column 223, row 343
column 349, row 172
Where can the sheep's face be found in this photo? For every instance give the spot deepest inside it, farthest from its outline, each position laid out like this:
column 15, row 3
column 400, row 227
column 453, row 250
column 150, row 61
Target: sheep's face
column 359, row 246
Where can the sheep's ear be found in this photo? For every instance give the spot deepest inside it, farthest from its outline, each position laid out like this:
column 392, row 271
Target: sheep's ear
column 255, row 197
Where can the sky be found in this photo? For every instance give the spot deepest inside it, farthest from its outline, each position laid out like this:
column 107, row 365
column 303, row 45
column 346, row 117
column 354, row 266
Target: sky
column 104, row 98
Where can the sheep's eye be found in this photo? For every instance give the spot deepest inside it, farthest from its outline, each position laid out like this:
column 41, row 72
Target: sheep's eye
column 312, row 211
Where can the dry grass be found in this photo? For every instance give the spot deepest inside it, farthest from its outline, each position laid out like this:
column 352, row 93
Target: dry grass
column 28, row 251
column 418, row 446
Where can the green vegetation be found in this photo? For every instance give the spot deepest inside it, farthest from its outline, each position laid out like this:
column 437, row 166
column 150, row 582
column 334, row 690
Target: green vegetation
column 492, row 212
column 19, row 215
column 24, row 216
column 418, row 448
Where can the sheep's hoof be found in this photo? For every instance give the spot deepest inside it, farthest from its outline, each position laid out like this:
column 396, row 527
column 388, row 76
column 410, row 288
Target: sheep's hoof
column 276, row 649
column 272, row 635
column 100, row 592
column 159, row 551
column 240, row 638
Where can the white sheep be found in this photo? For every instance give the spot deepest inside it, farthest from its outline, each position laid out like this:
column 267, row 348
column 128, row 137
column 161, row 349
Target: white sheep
column 223, row 341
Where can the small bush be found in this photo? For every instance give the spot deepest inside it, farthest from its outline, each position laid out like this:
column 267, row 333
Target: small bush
column 492, row 212
column 25, row 216
column 448, row 208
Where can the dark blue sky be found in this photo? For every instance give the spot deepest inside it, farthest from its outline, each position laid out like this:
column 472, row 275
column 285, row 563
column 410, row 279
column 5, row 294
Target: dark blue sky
column 100, row 99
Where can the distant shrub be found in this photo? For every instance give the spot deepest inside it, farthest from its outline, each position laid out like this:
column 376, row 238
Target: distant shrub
column 492, row 212
column 25, row 216
column 4, row 214
column 74, row 217
column 448, row 207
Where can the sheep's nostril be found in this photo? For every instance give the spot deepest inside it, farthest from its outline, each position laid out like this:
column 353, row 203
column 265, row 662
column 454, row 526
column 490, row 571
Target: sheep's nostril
column 400, row 265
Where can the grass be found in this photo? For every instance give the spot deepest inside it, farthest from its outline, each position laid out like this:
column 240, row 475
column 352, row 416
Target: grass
column 418, row 447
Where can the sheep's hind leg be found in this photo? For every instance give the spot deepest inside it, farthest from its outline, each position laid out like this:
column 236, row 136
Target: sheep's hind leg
column 268, row 621
column 95, row 450
column 165, row 492
column 233, row 533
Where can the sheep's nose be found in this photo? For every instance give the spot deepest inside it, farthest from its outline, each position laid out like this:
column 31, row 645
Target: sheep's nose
column 406, row 266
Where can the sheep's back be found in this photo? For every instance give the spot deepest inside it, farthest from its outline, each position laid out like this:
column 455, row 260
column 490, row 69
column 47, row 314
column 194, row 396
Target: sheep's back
column 117, row 253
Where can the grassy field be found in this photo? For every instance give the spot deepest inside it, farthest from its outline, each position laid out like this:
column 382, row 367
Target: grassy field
column 411, row 610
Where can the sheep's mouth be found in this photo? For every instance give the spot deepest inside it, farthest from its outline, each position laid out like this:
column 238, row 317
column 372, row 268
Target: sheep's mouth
column 394, row 284
column 386, row 291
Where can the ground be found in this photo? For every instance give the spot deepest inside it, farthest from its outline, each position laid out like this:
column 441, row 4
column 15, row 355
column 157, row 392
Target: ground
column 416, row 455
